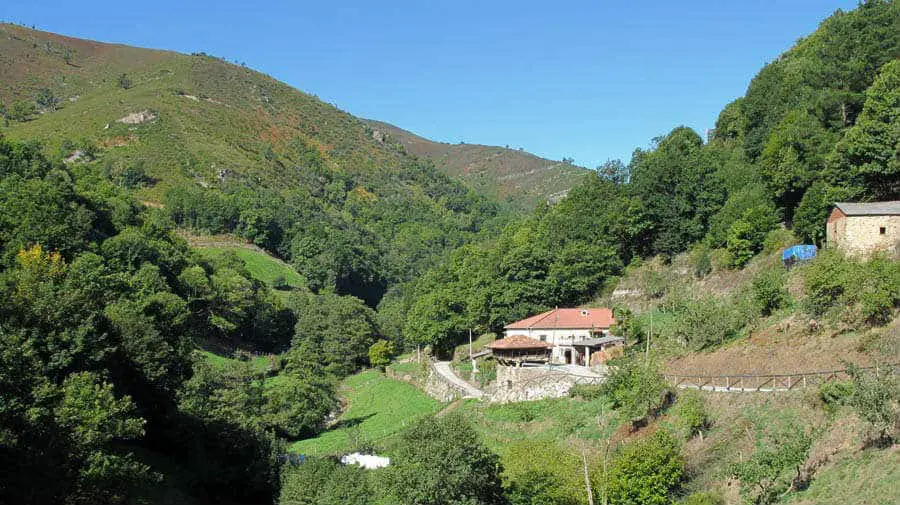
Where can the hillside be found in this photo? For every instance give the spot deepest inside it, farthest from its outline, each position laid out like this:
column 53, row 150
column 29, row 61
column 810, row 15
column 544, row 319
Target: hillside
column 225, row 149
column 510, row 175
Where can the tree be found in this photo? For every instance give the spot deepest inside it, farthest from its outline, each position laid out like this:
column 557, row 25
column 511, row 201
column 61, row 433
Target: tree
column 747, row 234
column 875, row 396
column 869, row 154
column 793, row 156
column 774, row 467
column 645, row 472
column 337, row 329
column 442, row 462
column 324, row 481
column 636, row 388
column 380, row 353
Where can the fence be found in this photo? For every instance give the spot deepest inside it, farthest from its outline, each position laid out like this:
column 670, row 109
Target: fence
column 762, row 383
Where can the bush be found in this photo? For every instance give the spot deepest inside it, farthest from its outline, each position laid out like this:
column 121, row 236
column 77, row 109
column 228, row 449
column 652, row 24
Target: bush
column 280, row 283
column 774, row 467
column 22, row 111
column 769, row 291
column 380, row 353
column 834, row 394
column 701, row 261
column 704, row 498
column 442, row 461
column 874, row 398
column 586, row 391
column 871, row 290
column 690, row 413
column 645, row 472
column 636, row 388
column 778, row 239
column 705, row 321
column 324, row 481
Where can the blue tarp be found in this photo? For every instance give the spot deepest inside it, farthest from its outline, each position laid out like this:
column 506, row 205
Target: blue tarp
column 799, row 253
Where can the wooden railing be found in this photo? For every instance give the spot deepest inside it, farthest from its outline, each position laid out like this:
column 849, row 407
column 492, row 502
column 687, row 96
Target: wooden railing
column 763, row 382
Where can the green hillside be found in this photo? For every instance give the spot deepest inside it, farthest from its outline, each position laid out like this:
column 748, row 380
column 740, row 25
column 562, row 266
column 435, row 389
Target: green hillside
column 377, row 408
column 518, row 178
column 225, row 149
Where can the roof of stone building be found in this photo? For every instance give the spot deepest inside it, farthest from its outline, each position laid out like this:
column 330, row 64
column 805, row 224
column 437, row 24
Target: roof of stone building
column 870, row 209
column 567, row 319
column 519, row 342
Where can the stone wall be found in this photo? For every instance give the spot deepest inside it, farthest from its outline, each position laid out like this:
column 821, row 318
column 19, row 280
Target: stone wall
column 440, row 389
column 861, row 235
column 517, row 384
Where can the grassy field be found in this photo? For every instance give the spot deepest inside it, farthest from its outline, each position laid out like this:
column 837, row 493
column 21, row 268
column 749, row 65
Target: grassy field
column 259, row 363
column 378, row 407
column 261, row 266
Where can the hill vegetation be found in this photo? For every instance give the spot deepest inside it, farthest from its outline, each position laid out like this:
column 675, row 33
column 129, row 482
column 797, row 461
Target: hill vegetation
column 517, row 178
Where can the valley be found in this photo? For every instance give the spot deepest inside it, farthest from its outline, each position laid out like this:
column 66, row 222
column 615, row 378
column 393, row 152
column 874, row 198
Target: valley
column 216, row 285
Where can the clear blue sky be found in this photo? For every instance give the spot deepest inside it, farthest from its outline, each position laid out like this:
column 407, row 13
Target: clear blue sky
column 591, row 80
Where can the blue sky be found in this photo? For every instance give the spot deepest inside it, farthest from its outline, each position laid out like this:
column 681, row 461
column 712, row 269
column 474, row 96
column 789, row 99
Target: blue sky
column 590, row 80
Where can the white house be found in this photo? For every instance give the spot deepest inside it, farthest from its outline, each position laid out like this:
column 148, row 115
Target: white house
column 573, row 333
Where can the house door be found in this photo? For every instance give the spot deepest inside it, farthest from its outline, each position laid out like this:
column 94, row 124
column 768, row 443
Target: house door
column 567, row 356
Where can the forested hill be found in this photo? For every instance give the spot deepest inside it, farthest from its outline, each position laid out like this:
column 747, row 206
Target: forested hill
column 226, row 149
column 514, row 176
column 817, row 125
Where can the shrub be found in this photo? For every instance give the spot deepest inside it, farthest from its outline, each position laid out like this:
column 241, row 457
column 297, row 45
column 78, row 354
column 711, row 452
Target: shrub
column 701, row 261
column 124, row 82
column 704, row 498
column 871, row 290
column 690, row 413
column 380, row 353
column 636, row 388
column 778, row 239
column 442, row 461
column 774, row 467
column 826, row 279
column 874, row 398
column 22, row 110
column 324, row 481
column 769, row 291
column 586, row 391
column 280, row 283
column 705, row 321
column 645, row 472
column 834, row 394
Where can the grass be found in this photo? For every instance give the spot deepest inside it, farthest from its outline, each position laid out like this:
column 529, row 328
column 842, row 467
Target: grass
column 258, row 363
column 260, row 265
column 872, row 478
column 378, row 408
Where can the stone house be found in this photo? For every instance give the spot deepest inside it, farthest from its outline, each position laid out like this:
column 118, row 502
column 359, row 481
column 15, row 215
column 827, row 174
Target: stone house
column 574, row 334
column 860, row 229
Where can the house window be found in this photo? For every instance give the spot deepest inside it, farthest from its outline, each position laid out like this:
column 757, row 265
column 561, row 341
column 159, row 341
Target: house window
column 543, row 338
column 882, row 230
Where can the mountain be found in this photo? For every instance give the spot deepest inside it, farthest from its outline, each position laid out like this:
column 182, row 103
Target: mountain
column 514, row 176
column 226, row 149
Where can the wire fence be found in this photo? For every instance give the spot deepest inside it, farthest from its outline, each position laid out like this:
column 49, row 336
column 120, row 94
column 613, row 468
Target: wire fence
column 743, row 383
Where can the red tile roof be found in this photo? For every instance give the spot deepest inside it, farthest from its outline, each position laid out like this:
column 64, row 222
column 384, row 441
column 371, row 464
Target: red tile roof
column 597, row 318
column 519, row 342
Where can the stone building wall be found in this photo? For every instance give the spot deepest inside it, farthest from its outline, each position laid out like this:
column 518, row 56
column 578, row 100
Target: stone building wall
column 860, row 236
